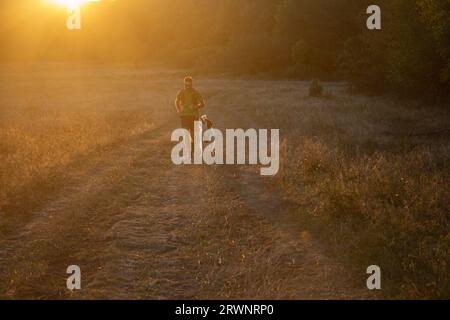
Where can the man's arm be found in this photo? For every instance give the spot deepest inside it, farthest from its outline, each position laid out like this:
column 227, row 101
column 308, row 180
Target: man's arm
column 178, row 103
column 201, row 102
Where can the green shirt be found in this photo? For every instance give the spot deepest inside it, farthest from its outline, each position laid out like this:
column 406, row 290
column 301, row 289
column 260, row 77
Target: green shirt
column 187, row 98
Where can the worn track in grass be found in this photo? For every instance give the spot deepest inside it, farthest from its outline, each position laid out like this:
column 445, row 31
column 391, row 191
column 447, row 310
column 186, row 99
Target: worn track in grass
column 141, row 228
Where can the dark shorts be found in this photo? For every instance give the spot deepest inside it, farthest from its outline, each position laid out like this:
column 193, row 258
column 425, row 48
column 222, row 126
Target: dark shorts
column 188, row 123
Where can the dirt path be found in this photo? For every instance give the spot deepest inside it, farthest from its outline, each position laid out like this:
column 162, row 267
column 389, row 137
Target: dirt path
column 142, row 228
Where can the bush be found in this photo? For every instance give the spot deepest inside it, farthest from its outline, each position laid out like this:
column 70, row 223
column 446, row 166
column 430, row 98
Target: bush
column 315, row 89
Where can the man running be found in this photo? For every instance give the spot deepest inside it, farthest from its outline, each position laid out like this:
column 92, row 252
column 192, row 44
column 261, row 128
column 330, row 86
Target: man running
column 188, row 103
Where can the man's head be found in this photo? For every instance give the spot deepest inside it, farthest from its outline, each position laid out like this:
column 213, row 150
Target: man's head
column 188, row 82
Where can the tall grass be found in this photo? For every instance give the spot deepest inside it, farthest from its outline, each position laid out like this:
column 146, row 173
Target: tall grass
column 52, row 115
column 372, row 180
column 367, row 176
column 38, row 144
column 383, row 208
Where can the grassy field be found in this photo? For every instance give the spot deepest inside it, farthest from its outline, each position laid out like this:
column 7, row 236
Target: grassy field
column 370, row 176
column 367, row 176
column 52, row 114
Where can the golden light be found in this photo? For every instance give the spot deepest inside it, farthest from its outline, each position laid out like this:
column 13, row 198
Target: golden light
column 71, row 4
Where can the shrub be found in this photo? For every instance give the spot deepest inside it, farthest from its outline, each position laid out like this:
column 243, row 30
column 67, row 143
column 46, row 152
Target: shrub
column 315, row 89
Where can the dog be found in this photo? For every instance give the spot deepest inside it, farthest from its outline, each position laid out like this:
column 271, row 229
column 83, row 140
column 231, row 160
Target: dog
column 206, row 125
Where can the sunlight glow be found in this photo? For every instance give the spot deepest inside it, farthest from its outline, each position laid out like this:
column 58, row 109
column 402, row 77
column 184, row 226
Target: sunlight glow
column 71, row 4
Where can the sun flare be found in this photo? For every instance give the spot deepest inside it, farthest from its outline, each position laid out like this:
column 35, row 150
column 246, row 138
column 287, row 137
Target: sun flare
column 71, row 4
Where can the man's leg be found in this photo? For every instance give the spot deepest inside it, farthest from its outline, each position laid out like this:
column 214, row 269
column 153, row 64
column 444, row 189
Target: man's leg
column 188, row 124
column 191, row 131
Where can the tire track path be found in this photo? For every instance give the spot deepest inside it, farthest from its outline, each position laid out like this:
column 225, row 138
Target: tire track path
column 142, row 228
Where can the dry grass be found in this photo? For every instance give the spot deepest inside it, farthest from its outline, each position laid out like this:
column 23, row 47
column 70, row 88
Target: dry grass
column 369, row 175
column 374, row 183
column 52, row 115
column 40, row 142
column 383, row 208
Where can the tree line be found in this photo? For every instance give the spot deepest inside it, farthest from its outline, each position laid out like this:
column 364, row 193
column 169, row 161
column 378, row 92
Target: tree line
column 303, row 39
